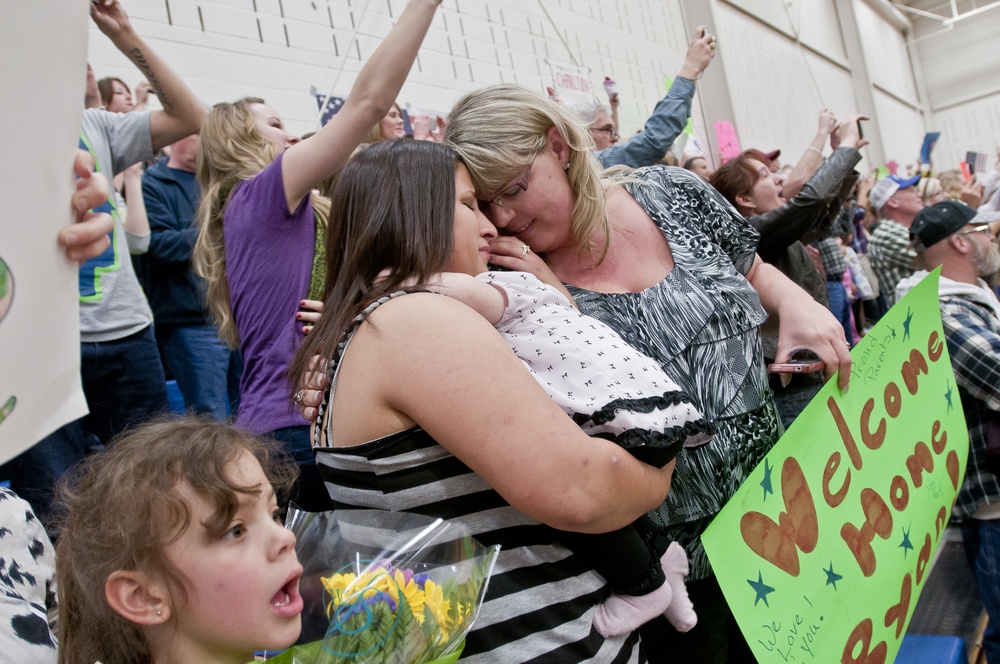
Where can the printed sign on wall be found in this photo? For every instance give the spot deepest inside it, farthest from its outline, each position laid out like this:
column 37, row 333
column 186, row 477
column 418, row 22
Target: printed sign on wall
column 571, row 84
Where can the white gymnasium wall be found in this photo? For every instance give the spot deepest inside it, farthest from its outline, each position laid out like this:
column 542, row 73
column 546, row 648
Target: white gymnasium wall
column 961, row 68
column 902, row 130
column 278, row 48
column 973, row 125
column 898, row 106
column 778, row 84
column 885, row 51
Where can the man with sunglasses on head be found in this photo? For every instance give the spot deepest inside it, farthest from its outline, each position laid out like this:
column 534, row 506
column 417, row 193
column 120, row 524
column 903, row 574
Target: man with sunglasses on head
column 666, row 122
column 951, row 235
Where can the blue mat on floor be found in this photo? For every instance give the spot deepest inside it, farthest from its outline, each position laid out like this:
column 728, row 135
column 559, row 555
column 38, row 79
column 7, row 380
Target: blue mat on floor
column 931, row 649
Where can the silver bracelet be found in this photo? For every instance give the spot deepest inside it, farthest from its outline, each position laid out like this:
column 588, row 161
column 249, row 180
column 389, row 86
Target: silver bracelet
column 816, row 150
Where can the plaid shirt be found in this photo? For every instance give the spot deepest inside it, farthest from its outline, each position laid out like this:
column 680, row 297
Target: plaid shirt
column 891, row 256
column 833, row 261
column 972, row 330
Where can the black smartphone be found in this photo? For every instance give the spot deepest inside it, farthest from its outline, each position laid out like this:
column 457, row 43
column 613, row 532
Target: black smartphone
column 861, row 132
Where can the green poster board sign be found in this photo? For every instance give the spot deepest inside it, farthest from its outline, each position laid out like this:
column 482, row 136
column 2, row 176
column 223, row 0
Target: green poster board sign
column 825, row 548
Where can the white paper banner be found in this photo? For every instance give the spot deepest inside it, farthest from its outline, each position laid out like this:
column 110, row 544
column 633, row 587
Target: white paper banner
column 43, row 55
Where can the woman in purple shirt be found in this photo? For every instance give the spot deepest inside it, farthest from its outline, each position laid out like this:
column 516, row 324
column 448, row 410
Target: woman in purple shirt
column 259, row 220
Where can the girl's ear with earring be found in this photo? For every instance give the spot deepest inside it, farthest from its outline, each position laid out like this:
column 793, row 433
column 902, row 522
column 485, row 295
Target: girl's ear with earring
column 566, row 166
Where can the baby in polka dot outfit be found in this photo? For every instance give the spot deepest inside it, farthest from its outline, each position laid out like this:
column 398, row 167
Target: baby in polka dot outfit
column 612, row 391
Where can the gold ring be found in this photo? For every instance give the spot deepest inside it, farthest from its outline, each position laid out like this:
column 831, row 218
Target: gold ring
column 525, row 250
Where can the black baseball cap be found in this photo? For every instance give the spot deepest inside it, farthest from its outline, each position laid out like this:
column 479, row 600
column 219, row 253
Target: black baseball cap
column 936, row 222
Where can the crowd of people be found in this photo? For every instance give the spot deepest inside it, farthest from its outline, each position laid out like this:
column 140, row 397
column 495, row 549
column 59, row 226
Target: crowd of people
column 339, row 312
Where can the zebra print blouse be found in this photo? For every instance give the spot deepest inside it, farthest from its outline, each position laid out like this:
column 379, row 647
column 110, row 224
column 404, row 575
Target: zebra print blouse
column 540, row 599
column 701, row 324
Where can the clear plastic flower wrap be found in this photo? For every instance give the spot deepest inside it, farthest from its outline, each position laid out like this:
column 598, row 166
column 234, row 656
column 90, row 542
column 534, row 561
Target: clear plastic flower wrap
column 385, row 587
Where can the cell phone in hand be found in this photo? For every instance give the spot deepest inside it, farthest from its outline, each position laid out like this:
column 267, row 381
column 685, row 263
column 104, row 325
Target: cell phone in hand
column 797, row 366
column 861, row 132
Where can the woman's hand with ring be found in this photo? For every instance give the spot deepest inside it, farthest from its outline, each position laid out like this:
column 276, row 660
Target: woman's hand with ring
column 513, row 254
column 313, row 384
column 509, row 252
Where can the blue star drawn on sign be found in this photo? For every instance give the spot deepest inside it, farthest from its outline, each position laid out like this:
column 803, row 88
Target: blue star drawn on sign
column 906, row 324
column 947, row 397
column 832, row 577
column 766, row 482
column 905, row 544
column 893, row 330
column 761, row 588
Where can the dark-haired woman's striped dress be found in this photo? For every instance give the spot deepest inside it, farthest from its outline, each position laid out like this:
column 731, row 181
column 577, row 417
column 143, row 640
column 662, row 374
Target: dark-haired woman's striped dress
column 541, row 597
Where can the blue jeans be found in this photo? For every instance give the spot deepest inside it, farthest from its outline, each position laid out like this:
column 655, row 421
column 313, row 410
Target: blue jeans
column 124, row 386
column 200, row 363
column 792, row 399
column 840, row 306
column 982, row 549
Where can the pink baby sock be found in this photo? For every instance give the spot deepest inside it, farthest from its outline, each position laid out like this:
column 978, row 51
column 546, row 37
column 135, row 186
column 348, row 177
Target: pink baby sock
column 621, row 614
column 680, row 612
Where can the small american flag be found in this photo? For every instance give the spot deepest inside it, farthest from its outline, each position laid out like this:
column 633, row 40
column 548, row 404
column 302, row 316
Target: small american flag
column 977, row 161
column 327, row 111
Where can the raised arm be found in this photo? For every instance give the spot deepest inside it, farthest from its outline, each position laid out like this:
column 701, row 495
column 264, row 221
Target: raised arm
column 136, row 221
column 442, row 366
column 809, row 216
column 182, row 112
column 812, row 157
column 614, row 103
column 669, row 116
column 308, row 163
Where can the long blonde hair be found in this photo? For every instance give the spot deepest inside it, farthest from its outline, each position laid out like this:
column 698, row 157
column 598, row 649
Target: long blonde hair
column 231, row 151
column 497, row 131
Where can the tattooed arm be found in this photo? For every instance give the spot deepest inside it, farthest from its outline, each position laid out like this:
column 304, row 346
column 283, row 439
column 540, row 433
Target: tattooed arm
column 182, row 112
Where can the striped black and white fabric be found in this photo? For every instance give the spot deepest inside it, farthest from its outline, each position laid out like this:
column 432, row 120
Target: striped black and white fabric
column 541, row 596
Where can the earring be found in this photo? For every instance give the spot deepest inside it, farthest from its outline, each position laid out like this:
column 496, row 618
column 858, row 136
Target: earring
column 566, row 166
column 159, row 613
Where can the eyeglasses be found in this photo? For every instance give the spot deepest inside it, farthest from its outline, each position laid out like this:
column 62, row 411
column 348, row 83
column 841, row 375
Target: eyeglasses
column 612, row 132
column 981, row 228
column 507, row 196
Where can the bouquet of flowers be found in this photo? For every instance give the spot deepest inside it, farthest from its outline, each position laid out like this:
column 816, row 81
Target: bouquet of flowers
column 385, row 587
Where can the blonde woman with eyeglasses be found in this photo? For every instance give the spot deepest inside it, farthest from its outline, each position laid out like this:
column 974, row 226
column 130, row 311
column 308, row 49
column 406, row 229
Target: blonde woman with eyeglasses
column 666, row 262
